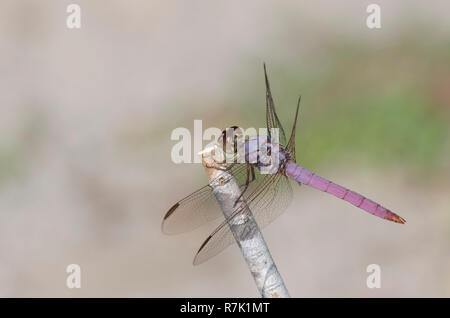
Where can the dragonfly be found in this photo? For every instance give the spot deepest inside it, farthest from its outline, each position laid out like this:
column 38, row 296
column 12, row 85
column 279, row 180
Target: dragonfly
column 266, row 194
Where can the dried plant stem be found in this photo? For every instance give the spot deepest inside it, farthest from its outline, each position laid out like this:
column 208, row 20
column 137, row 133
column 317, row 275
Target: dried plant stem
column 245, row 229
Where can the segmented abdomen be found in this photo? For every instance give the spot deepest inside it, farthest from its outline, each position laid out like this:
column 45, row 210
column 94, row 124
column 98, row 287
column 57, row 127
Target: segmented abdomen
column 304, row 176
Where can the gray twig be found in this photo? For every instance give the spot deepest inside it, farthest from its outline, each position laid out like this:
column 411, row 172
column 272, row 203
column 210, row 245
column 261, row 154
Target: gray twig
column 245, row 229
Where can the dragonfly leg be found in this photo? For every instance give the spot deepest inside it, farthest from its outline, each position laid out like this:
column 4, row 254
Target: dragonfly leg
column 247, row 181
column 221, row 168
column 253, row 173
column 229, row 167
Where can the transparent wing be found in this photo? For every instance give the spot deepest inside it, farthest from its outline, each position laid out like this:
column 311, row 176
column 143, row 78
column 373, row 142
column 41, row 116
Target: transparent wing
column 291, row 144
column 269, row 197
column 189, row 213
column 271, row 115
column 199, row 207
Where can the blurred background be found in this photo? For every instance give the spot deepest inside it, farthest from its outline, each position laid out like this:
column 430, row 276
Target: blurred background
column 86, row 117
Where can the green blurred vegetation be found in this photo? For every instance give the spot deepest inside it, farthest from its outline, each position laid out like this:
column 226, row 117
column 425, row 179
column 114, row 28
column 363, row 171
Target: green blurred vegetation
column 23, row 149
column 381, row 129
column 380, row 106
column 387, row 106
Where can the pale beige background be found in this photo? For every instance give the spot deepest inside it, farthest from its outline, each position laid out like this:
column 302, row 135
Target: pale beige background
column 86, row 175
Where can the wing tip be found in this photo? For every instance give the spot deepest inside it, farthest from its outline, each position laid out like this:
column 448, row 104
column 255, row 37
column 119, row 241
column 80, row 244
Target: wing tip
column 196, row 260
column 166, row 216
column 266, row 78
column 171, row 210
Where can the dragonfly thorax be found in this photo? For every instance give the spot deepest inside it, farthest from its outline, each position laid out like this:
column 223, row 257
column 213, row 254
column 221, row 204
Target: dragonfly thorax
column 260, row 152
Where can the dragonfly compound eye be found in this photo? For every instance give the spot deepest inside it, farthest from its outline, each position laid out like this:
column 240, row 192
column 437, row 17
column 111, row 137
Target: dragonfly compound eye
column 230, row 138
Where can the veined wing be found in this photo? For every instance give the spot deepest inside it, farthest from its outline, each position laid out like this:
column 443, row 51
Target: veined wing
column 291, row 144
column 269, row 198
column 191, row 212
column 200, row 206
column 271, row 116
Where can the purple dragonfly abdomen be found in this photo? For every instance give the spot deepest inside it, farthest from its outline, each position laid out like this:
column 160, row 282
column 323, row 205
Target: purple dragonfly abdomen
column 304, row 176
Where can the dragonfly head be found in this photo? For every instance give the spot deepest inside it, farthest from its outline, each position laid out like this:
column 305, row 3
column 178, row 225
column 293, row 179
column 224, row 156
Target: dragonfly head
column 230, row 139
